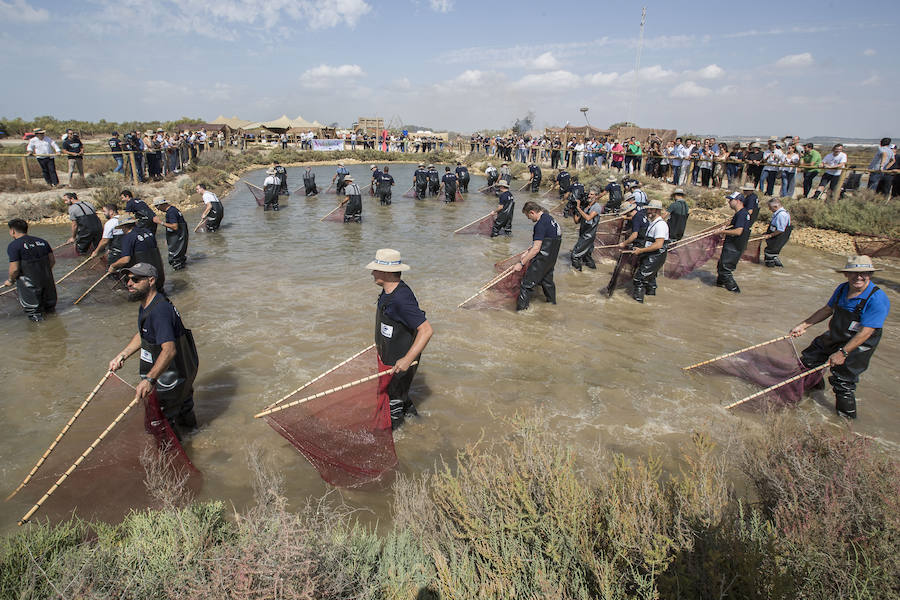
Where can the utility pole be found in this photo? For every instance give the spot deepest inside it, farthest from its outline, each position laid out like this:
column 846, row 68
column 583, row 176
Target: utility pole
column 637, row 65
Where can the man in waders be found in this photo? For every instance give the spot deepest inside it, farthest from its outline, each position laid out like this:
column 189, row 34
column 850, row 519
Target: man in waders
column 86, row 227
column 506, row 205
column 111, row 242
column 434, row 181
column 448, row 184
column 546, row 239
column 576, row 195
column 401, row 331
column 420, row 181
column 490, row 172
column 281, row 173
column 678, row 215
column 142, row 213
column 168, row 355
column 587, row 217
column 736, row 237
column 858, row 309
column 638, row 224
column 615, row 194
column 309, row 182
column 271, row 187
column 651, row 254
column 138, row 246
column 536, row 176
column 31, row 263
column 383, row 185
column 352, row 200
column 214, row 211
column 340, row 179
column 176, row 232
column 778, row 234
column 751, row 202
column 462, row 173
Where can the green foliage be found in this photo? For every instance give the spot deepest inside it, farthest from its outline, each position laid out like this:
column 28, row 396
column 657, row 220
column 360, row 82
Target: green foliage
column 56, row 127
column 862, row 212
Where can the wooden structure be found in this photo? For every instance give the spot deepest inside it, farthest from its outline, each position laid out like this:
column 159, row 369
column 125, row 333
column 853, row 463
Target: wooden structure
column 370, row 125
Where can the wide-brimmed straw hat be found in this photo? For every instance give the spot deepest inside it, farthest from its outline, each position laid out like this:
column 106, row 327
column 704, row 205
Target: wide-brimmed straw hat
column 678, row 192
column 271, row 171
column 38, row 130
column 627, row 208
column 611, row 179
column 748, row 187
column 654, row 204
column 858, row 264
column 387, row 260
column 127, row 220
column 159, row 200
column 502, row 183
column 348, row 178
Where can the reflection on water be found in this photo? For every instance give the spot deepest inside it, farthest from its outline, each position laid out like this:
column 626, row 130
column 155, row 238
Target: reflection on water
column 277, row 298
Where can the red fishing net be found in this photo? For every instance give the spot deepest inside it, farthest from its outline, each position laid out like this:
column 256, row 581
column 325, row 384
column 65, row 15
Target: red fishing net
column 622, row 273
column 752, row 251
column 110, row 481
column 482, row 226
column 335, row 216
column 688, row 255
column 606, row 241
column 764, row 367
column 258, row 194
column 410, row 193
column 345, row 434
column 502, row 291
column 875, row 247
column 69, row 251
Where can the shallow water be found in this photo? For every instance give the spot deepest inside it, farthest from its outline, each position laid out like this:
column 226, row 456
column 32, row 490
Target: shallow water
column 277, row 298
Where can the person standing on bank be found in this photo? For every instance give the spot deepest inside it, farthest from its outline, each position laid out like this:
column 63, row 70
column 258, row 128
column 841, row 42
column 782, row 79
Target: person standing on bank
column 383, row 184
column 31, row 263
column 73, row 148
column 111, row 241
column 652, row 255
column 115, row 146
column 176, row 232
column 587, row 217
column 858, row 309
column 751, row 202
column 168, row 354
column 44, row 148
column 271, row 189
column 462, row 173
column 503, row 214
column 353, row 201
column 736, row 237
column 309, row 182
column 138, row 246
column 448, row 184
column 678, row 215
column 778, row 234
column 86, row 227
column 536, row 176
column 401, row 331
column 214, row 210
column 546, row 240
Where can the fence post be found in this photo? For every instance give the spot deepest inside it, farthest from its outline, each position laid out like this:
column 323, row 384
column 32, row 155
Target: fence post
column 743, row 174
column 134, row 173
column 25, row 170
column 840, row 184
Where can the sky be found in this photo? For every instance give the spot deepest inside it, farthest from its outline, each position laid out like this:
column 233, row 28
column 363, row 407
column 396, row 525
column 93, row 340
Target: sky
column 760, row 68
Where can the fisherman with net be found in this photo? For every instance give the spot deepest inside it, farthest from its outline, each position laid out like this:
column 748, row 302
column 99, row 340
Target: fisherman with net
column 448, row 184
column 678, row 215
column 858, row 309
column 86, row 226
column 31, row 263
column 352, row 201
column 505, row 173
column 637, row 222
column 111, row 241
column 271, row 188
column 576, row 195
column 751, row 202
column 281, row 173
column 420, row 181
column 340, row 179
column 736, row 237
column 546, row 240
column 434, row 181
column 309, row 182
column 138, row 246
column 142, row 213
column 504, row 211
column 383, row 183
column 462, row 173
column 536, row 176
column 563, row 181
column 214, row 211
column 491, row 173
column 615, row 194
column 587, row 217
column 176, row 232
column 778, row 234
column 401, row 331
column 651, row 254
column 168, row 355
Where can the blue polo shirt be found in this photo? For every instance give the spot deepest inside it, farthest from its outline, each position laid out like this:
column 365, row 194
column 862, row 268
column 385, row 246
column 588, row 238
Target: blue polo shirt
column 546, row 227
column 780, row 220
column 449, row 179
column 638, row 221
column 462, row 172
column 173, row 215
column 505, row 198
column 28, row 248
column 163, row 325
column 137, row 240
column 873, row 314
column 751, row 201
column 403, row 307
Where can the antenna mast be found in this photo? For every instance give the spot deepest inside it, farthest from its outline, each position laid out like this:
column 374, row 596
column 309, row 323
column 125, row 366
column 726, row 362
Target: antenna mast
column 637, row 64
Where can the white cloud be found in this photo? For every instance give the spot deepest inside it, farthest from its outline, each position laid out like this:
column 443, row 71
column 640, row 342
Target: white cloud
column 470, row 78
column 326, row 76
column 872, row 79
column 441, row 6
column 545, row 61
column 795, row 60
column 710, row 72
column 601, row 79
column 689, row 89
column 869, row 52
column 19, row 11
column 727, row 90
column 551, row 80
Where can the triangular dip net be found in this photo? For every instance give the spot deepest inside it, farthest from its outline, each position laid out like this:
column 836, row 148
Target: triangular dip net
column 258, row 194
column 608, row 234
column 335, row 216
column 110, row 481
column 482, row 226
column 689, row 255
column 501, row 292
column 622, row 273
column 346, row 434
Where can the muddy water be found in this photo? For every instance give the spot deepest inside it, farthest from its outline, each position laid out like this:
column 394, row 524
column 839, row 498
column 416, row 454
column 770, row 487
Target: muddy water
column 276, row 298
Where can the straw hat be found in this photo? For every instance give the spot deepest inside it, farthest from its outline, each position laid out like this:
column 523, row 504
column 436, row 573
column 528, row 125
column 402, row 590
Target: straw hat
column 654, row 204
column 373, row 167
column 858, row 264
column 627, row 208
column 748, row 187
column 502, row 183
column 430, row 166
column 271, row 171
column 678, row 192
column 629, row 197
column 348, row 178
column 387, row 260
column 127, row 220
column 611, row 179
column 38, row 130
column 159, row 200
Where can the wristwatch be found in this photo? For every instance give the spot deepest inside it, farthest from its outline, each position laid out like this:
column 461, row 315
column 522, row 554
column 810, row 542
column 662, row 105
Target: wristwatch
column 842, row 351
column 151, row 380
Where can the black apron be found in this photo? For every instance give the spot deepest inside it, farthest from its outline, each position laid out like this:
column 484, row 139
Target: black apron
column 114, row 247
column 393, row 340
column 151, row 257
column 353, row 210
column 174, row 386
column 144, row 215
column 776, row 243
column 271, row 196
column 309, row 184
column 281, row 173
column 540, row 271
column 678, row 217
column 88, row 229
column 587, row 233
column 35, row 286
column 214, row 217
column 177, row 243
column 434, row 182
column 503, row 220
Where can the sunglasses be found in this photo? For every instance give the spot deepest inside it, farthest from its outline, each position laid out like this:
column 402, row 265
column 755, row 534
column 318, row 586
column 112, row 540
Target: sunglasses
column 135, row 278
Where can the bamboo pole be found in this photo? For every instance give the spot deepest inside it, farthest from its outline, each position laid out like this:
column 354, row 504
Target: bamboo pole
column 81, row 458
column 251, row 185
column 318, row 377
column 200, row 224
column 63, row 245
column 9, row 291
column 760, row 345
column 326, row 392
column 778, row 385
column 488, row 285
column 331, row 211
column 696, row 238
column 25, row 170
column 84, row 262
column 473, row 222
column 527, row 183
column 60, row 435
column 96, row 283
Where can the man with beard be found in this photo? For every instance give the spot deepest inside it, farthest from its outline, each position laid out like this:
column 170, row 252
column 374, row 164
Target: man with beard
column 504, row 211
column 176, row 232
column 168, row 354
column 651, row 254
column 536, row 176
column 587, row 217
column 309, row 182
column 138, row 245
column 142, row 213
column 736, row 237
column 86, row 227
column 434, row 181
column 111, row 241
column 540, row 257
column 383, row 184
column 31, row 263
column 214, row 211
column 420, row 181
column 462, row 174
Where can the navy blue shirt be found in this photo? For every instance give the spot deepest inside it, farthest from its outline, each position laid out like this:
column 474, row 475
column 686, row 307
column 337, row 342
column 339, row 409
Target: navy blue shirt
column 505, row 198
column 741, row 219
column 403, row 308
column 137, row 240
column 751, row 202
column 638, row 221
column 449, row 179
column 462, row 172
column 535, row 170
column 376, row 175
column 163, row 325
column 546, row 228
column 28, row 248
column 385, row 179
column 563, row 179
column 138, row 207
column 173, row 215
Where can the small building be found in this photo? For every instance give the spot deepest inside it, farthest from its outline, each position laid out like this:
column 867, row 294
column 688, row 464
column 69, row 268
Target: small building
column 370, row 125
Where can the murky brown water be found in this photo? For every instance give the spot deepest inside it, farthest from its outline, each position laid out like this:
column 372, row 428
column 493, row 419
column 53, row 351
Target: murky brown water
column 276, row 298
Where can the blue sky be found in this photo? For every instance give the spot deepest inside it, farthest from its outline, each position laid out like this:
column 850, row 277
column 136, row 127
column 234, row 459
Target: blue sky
column 762, row 68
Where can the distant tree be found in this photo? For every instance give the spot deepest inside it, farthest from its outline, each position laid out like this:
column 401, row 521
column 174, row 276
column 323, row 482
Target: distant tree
column 622, row 124
column 523, row 124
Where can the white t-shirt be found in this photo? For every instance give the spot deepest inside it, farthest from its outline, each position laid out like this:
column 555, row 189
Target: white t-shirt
column 111, row 228
column 271, row 180
column 209, row 197
column 658, row 229
column 834, row 160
